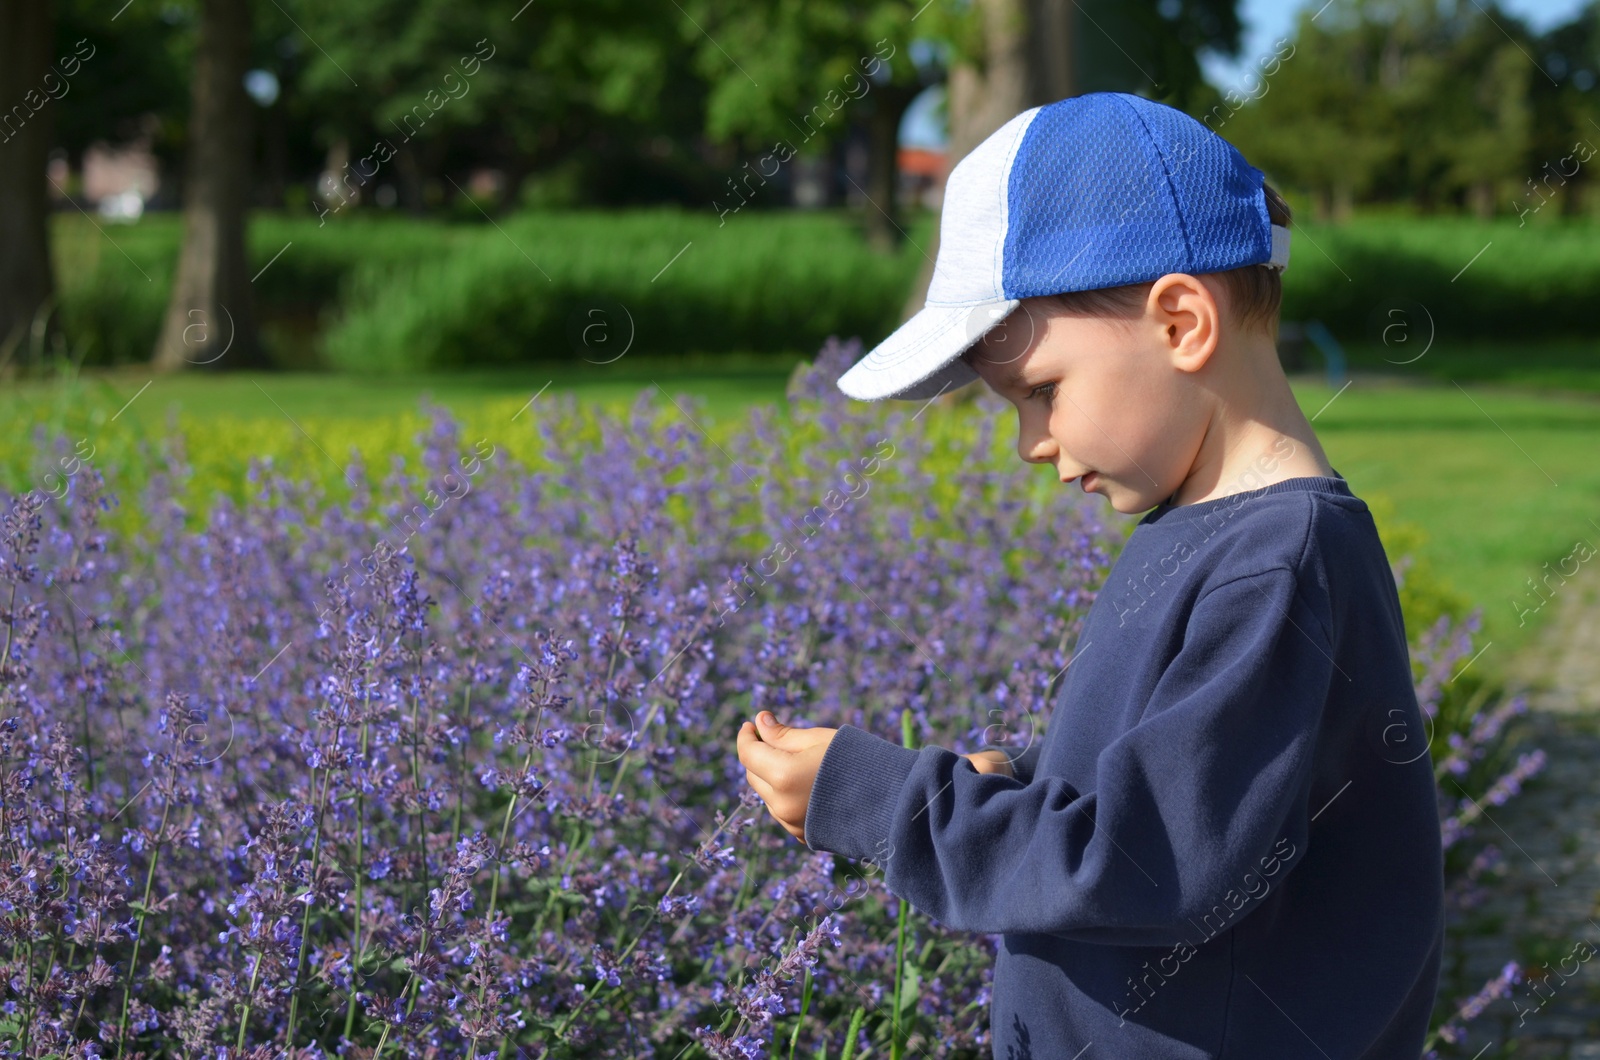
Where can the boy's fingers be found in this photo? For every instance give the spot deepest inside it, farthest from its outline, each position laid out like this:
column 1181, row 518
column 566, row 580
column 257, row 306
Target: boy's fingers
column 761, row 787
column 790, row 738
column 757, row 756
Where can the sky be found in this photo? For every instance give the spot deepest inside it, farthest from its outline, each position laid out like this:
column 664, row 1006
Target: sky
column 1265, row 21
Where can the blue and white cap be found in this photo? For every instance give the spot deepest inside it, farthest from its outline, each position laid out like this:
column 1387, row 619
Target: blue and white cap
column 1092, row 191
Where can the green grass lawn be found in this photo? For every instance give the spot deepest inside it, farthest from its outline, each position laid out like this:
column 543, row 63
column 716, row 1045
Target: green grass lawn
column 728, row 383
column 1498, row 481
column 1544, row 365
column 1501, row 482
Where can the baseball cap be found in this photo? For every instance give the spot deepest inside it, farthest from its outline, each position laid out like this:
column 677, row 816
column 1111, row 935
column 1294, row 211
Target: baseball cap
column 1092, row 191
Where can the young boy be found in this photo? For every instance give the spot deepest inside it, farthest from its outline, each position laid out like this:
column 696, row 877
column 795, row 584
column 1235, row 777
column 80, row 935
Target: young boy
column 1227, row 843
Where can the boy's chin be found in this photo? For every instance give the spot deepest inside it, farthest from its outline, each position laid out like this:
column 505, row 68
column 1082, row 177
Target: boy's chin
column 1124, row 502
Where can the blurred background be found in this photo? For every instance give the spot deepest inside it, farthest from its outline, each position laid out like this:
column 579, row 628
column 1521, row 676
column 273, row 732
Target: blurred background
column 276, row 211
column 382, row 187
column 256, row 210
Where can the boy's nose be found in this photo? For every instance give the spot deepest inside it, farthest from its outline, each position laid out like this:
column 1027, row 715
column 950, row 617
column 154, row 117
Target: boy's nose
column 1037, row 448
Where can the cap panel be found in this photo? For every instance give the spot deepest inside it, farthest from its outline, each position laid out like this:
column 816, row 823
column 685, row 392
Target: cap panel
column 973, row 220
column 1090, row 203
column 1219, row 194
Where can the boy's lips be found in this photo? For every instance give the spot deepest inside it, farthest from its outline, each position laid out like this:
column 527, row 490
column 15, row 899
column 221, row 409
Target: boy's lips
column 1082, row 480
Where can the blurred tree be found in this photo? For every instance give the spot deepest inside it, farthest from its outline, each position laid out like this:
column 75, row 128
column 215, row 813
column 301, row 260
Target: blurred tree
column 28, row 89
column 136, row 85
column 590, row 90
column 1313, row 117
column 1443, row 105
column 1458, row 81
column 210, row 318
column 793, row 79
column 1566, row 117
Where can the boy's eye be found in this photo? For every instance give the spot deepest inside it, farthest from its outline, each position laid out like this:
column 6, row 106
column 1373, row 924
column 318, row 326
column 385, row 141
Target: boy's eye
column 1044, row 390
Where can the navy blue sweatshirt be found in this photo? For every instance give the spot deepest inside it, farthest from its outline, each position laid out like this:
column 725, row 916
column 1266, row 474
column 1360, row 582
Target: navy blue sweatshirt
column 1227, row 843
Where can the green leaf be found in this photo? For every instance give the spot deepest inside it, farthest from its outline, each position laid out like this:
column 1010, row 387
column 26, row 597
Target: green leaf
column 910, row 979
column 850, row 1035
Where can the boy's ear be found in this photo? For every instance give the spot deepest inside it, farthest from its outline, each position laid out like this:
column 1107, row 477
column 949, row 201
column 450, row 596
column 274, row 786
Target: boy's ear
column 1184, row 313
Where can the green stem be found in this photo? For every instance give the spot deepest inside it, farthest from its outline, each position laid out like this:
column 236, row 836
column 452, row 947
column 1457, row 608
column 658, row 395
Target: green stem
column 461, row 763
column 361, row 822
column 355, row 950
column 144, row 907
column 305, row 920
column 421, row 949
column 567, row 1020
column 805, row 1004
column 899, row 979
column 416, row 773
column 244, row 1019
column 49, row 969
column 27, row 1024
column 11, row 609
column 900, row 939
column 72, row 1031
column 566, row 860
column 572, row 837
column 622, row 770
column 77, row 649
column 494, row 884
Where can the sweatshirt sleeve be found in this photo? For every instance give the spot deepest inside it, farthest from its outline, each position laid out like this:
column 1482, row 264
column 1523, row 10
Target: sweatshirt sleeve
column 1197, row 794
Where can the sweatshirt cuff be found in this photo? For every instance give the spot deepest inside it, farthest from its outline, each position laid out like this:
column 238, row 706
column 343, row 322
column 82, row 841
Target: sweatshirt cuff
column 853, row 799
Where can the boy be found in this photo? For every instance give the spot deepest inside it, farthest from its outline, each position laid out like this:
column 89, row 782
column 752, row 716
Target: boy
column 1227, row 843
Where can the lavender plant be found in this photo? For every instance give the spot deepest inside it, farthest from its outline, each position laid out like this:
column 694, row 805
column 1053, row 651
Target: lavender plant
column 326, row 778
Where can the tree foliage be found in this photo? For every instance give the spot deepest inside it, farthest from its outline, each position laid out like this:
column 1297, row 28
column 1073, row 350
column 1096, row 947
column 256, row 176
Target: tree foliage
column 1442, row 105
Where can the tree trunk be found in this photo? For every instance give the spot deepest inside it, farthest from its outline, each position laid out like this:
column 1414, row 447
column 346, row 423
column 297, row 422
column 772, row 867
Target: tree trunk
column 889, row 103
column 27, row 288
column 1480, row 196
column 1322, row 204
column 210, row 318
column 1052, row 68
column 1343, row 203
column 1027, row 62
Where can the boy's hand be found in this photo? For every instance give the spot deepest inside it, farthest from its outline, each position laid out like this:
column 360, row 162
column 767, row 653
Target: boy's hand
column 991, row 762
column 781, row 764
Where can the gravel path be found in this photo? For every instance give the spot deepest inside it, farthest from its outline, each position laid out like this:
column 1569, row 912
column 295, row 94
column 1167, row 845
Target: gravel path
column 1544, row 912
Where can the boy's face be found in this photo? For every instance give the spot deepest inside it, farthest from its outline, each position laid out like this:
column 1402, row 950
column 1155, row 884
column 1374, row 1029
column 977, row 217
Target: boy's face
column 1111, row 402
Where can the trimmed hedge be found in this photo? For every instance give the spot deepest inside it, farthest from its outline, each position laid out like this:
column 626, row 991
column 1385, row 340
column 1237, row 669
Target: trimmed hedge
column 374, row 293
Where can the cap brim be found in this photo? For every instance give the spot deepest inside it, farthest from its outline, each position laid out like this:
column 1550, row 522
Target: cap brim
column 920, row 359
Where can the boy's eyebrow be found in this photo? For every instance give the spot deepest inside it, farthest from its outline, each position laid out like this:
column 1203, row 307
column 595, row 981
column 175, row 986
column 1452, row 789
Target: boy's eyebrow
column 1011, row 379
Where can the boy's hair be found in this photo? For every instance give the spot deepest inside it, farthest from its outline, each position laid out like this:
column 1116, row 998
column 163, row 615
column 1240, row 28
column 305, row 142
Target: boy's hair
column 1253, row 294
